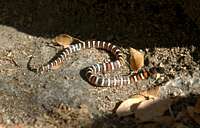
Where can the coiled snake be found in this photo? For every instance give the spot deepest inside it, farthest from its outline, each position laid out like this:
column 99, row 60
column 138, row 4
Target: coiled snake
column 93, row 70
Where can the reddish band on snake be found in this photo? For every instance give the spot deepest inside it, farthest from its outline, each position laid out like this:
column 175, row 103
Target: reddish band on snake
column 93, row 70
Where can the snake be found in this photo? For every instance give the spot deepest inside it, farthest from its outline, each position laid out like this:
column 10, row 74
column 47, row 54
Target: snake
column 92, row 71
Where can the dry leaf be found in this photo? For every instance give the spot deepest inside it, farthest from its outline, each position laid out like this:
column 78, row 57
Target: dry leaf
column 153, row 92
column 149, row 125
column 197, row 106
column 179, row 125
column 3, row 126
column 195, row 116
column 152, row 108
column 136, row 59
column 183, row 116
column 126, row 107
column 167, row 120
column 63, row 40
column 194, row 112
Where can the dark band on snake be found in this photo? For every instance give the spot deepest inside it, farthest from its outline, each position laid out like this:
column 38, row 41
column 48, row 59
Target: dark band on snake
column 91, row 71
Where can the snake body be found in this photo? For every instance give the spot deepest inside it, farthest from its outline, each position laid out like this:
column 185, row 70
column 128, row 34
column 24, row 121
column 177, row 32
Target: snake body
column 93, row 70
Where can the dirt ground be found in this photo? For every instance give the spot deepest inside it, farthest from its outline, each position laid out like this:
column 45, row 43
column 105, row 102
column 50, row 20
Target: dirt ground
column 168, row 32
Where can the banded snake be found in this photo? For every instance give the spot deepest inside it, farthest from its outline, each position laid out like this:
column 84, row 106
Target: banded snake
column 91, row 71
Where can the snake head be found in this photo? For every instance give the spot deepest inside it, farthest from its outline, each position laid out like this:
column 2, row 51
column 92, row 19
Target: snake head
column 40, row 70
column 157, row 73
column 155, row 70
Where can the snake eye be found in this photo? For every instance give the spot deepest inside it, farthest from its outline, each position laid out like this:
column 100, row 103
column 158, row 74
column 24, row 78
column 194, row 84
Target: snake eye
column 153, row 70
column 157, row 70
column 40, row 70
column 160, row 69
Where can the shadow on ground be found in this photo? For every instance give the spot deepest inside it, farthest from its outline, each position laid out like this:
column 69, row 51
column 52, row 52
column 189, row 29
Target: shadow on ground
column 179, row 114
column 129, row 23
column 135, row 23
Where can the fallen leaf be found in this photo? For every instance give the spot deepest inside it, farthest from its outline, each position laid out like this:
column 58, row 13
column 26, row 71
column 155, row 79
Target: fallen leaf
column 63, row 40
column 136, row 59
column 2, row 126
column 183, row 116
column 126, row 107
column 193, row 114
column 153, row 92
column 197, row 106
column 179, row 125
column 18, row 126
column 149, row 125
column 152, row 108
column 167, row 120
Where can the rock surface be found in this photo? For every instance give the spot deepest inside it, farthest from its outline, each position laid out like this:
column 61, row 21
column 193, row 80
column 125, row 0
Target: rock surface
column 167, row 35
